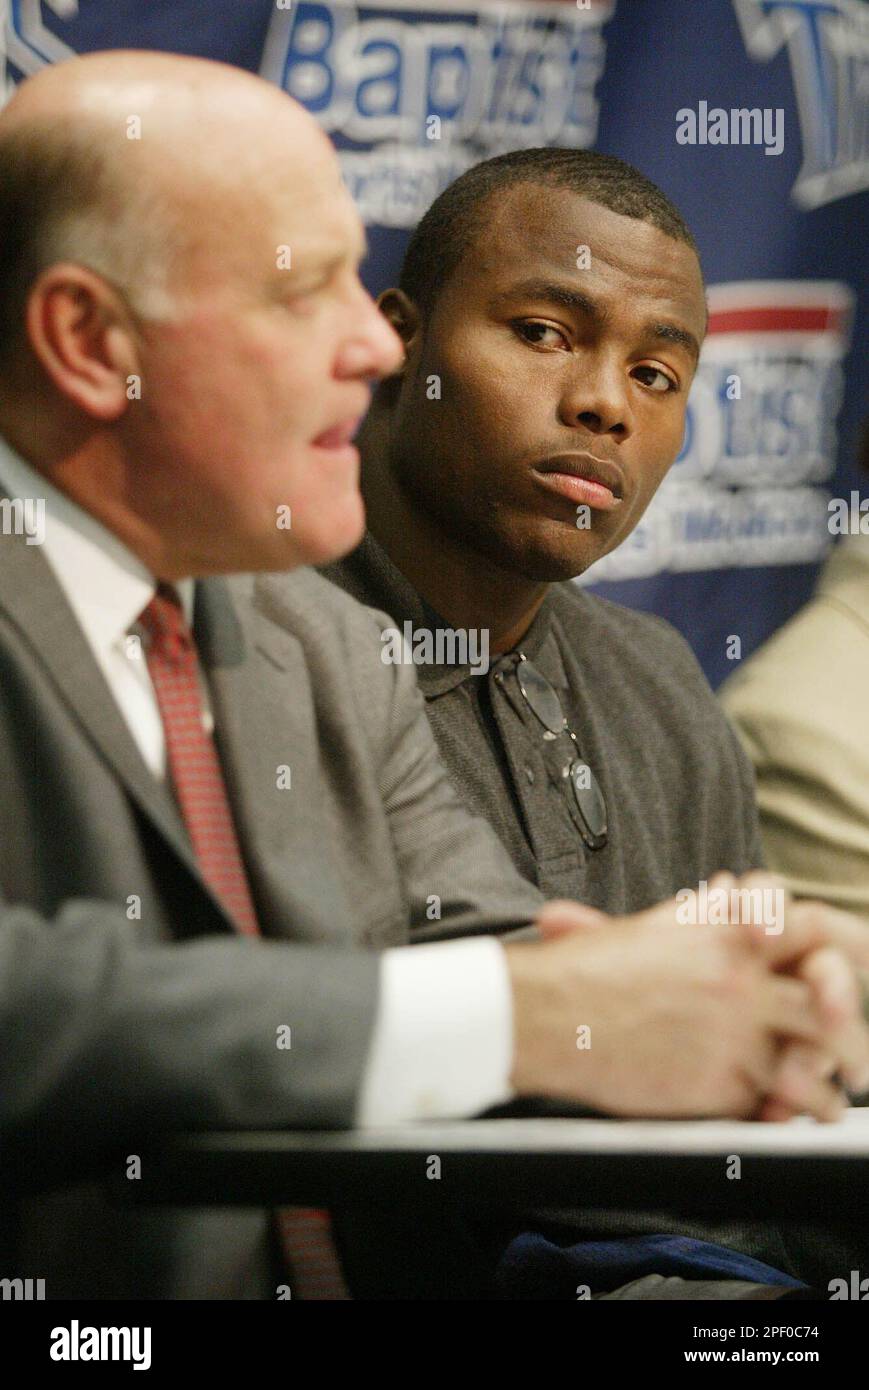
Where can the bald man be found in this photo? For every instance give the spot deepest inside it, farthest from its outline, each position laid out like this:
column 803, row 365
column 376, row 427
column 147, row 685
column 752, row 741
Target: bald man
column 192, row 756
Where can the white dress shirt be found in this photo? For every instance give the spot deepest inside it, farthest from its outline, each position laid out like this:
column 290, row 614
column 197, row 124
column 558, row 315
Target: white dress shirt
column 442, row 1042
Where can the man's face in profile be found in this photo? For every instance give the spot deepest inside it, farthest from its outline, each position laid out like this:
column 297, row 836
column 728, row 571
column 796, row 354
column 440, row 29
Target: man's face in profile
column 253, row 391
column 551, row 363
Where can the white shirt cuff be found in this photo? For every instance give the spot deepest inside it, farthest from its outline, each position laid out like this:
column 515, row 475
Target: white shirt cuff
column 442, row 1046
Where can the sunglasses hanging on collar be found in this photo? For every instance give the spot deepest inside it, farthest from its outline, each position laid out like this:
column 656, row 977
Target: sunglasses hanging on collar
column 585, row 798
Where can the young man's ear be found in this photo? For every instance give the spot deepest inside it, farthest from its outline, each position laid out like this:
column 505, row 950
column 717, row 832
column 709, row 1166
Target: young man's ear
column 79, row 329
column 402, row 314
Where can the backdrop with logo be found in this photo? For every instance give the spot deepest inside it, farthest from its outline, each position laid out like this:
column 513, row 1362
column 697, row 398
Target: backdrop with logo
column 753, row 115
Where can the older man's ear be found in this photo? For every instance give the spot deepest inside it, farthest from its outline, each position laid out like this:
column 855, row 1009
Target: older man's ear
column 80, row 331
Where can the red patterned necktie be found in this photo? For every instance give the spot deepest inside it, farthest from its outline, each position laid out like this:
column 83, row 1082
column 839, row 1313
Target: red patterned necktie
column 199, row 785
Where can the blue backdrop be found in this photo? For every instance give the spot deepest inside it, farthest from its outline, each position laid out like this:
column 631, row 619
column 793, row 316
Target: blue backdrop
column 751, row 114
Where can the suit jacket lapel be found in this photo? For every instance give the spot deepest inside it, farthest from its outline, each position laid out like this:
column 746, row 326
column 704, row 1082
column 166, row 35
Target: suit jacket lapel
column 265, row 719
column 33, row 599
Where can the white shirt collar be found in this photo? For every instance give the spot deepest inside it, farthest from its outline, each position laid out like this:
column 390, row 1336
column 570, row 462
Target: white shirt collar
column 106, row 585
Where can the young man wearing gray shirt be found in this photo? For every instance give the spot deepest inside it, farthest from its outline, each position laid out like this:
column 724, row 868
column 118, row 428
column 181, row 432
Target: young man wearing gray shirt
column 552, row 307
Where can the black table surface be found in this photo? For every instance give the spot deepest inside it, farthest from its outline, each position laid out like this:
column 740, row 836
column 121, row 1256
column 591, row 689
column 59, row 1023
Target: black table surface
column 707, row 1167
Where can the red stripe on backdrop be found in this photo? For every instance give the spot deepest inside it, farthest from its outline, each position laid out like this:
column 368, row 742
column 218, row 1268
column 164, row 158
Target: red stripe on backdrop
column 821, row 319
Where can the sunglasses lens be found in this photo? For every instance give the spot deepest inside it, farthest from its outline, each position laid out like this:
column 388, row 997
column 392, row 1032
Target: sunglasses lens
column 540, row 696
column 589, row 808
column 590, row 804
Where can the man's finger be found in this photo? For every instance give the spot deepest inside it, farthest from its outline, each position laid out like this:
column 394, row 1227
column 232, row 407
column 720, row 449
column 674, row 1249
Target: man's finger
column 788, row 1007
column 775, row 1112
column 560, row 916
column 807, row 926
column 802, row 1082
column 837, row 997
column 831, row 976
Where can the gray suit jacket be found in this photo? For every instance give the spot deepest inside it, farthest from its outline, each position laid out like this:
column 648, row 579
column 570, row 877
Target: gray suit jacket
column 128, row 1006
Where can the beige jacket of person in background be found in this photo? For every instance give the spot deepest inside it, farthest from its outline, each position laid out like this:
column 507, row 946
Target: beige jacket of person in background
column 801, row 707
